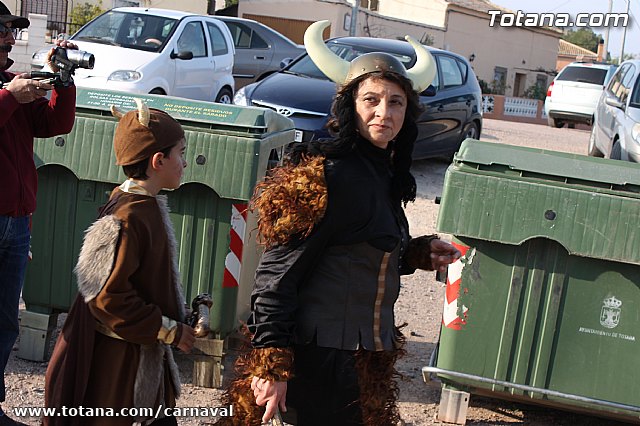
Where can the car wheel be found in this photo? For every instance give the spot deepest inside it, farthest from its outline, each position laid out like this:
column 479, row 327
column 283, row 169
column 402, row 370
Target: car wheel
column 616, row 151
column 225, row 96
column 554, row 123
column 593, row 149
column 157, row 91
column 470, row 131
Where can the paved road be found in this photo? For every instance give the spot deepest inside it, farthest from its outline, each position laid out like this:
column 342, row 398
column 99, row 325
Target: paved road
column 431, row 172
column 536, row 136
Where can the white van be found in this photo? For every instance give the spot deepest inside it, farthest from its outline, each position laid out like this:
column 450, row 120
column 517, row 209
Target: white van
column 145, row 50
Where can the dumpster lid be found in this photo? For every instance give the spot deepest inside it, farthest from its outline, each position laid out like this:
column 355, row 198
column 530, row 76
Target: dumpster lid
column 188, row 111
column 550, row 163
column 510, row 194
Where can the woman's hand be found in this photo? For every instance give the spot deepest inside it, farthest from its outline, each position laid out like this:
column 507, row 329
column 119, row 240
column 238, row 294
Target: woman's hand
column 442, row 254
column 269, row 393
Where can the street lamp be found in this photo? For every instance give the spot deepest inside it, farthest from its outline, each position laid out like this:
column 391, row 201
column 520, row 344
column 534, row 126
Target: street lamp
column 624, row 36
column 354, row 18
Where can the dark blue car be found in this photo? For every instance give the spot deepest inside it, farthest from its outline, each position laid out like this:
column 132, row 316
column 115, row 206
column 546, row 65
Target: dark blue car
column 300, row 91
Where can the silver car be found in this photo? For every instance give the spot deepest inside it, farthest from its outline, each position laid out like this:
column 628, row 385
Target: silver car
column 616, row 129
column 260, row 50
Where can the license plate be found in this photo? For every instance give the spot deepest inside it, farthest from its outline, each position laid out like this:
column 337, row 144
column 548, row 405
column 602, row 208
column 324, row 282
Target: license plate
column 297, row 135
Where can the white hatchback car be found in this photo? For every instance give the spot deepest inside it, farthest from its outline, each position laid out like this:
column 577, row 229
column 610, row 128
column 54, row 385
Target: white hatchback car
column 574, row 93
column 146, row 50
column 616, row 129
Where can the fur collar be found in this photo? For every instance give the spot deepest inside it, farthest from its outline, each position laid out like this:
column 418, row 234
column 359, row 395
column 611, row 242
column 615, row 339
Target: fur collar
column 290, row 201
column 97, row 256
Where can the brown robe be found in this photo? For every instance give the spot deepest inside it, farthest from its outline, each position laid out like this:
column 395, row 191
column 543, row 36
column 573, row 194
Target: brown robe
column 128, row 280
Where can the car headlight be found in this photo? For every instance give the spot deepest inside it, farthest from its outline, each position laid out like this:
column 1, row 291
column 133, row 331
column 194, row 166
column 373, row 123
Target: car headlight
column 635, row 132
column 125, row 75
column 240, row 98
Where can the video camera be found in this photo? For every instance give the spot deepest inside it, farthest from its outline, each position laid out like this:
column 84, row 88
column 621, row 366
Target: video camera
column 67, row 61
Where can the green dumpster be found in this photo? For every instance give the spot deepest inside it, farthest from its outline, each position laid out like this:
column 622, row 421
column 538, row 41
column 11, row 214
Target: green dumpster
column 229, row 149
column 544, row 305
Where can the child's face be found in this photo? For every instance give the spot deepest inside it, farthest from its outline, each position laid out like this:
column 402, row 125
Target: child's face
column 173, row 166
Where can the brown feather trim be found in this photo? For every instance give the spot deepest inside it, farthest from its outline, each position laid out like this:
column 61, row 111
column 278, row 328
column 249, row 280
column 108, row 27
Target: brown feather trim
column 290, row 201
column 377, row 382
column 418, row 254
column 274, row 364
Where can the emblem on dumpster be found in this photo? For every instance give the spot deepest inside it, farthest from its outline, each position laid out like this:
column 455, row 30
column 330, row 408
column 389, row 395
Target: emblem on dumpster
column 610, row 313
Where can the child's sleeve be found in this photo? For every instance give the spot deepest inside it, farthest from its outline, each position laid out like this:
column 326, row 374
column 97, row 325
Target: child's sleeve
column 118, row 305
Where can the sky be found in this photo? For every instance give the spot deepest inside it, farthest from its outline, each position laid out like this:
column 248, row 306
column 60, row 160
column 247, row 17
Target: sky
column 573, row 7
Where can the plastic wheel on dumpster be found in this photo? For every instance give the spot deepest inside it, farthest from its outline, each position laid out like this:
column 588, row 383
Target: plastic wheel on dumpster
column 544, row 305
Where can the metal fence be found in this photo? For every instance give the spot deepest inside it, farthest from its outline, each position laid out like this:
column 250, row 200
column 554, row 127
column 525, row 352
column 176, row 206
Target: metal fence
column 56, row 11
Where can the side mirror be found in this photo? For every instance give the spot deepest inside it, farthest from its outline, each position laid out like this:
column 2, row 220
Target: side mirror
column 184, row 55
column 285, row 62
column 614, row 102
column 429, row 91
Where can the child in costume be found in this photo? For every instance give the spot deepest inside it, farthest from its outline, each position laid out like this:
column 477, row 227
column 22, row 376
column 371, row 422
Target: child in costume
column 115, row 351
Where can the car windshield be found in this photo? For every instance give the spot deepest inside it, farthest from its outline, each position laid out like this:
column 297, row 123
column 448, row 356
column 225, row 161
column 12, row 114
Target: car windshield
column 590, row 75
column 306, row 67
column 131, row 30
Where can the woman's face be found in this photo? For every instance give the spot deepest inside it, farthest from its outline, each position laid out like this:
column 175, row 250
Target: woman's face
column 380, row 110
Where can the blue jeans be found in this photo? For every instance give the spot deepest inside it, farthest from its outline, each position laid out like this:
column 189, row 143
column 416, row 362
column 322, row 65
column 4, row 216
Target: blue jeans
column 14, row 252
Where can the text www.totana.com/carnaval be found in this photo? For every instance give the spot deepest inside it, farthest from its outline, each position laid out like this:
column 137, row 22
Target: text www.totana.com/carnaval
column 159, row 412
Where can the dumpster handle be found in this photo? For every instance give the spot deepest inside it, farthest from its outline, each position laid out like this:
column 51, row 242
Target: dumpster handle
column 432, row 369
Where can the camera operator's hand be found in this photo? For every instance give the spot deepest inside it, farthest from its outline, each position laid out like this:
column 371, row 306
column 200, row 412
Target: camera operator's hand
column 59, row 43
column 26, row 90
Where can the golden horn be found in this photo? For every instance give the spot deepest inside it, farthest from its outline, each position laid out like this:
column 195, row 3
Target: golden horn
column 143, row 112
column 328, row 62
column 423, row 71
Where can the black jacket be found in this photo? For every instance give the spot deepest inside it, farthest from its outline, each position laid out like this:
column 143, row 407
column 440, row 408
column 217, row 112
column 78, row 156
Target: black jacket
column 337, row 287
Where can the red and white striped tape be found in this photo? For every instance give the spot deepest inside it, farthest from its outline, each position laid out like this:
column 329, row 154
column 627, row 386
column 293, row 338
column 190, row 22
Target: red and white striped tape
column 233, row 261
column 450, row 316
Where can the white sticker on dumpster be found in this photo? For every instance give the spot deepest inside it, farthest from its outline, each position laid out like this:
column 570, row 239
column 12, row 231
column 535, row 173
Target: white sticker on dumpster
column 610, row 315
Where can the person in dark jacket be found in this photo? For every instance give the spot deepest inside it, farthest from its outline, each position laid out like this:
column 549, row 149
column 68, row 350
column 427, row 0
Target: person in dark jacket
column 324, row 339
column 24, row 114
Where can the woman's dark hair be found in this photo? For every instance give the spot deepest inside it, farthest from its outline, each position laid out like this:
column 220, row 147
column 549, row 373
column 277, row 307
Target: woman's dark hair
column 139, row 169
column 342, row 125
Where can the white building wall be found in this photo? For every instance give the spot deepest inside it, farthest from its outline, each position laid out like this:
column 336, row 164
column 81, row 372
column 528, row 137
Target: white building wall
column 338, row 12
column 194, row 6
column 430, row 12
column 518, row 50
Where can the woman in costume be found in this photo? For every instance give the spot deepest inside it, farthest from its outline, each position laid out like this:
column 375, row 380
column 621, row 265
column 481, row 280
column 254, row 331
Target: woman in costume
column 324, row 340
